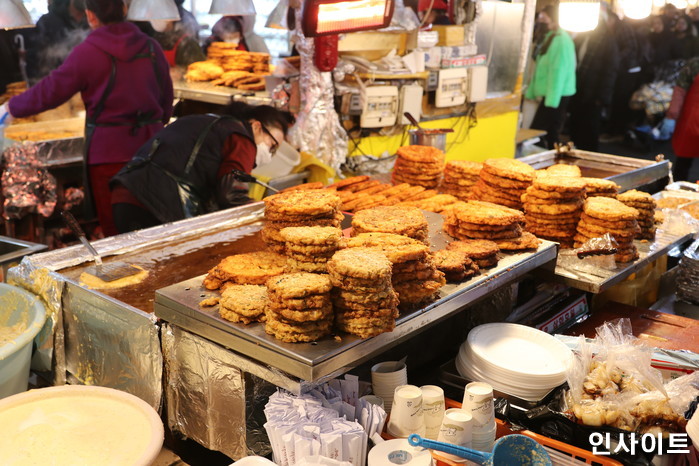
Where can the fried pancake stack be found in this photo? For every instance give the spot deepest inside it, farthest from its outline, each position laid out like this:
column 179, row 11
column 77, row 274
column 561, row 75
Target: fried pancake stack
column 253, row 268
column 419, row 165
column 553, row 205
column 310, row 248
column 560, row 169
column 365, row 303
column 605, row 215
column 360, row 192
column 456, row 265
column 482, row 252
column 299, row 309
column 503, row 181
column 485, row 220
column 244, row 303
column 406, row 221
column 437, row 204
column 459, row 177
column 297, row 209
column 645, row 205
column 415, row 276
column 599, row 187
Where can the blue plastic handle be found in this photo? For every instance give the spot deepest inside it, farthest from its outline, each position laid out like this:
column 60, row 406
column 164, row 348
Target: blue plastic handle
column 472, row 455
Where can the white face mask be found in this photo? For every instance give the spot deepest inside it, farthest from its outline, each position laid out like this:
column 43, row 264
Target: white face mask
column 264, row 154
column 159, row 25
column 235, row 41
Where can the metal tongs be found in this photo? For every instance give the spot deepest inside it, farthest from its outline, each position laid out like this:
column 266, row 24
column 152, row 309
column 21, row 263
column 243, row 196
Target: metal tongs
column 240, row 175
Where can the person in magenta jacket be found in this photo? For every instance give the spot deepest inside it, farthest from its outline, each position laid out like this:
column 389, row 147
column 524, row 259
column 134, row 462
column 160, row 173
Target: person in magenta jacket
column 123, row 78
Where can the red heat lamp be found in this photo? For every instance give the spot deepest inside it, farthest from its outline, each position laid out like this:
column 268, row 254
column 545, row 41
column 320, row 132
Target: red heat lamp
column 325, row 19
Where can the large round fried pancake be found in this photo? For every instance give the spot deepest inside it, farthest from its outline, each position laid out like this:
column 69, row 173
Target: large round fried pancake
column 541, row 194
column 596, row 229
column 319, row 202
column 339, row 185
column 599, row 185
column 366, row 328
column 463, row 167
column 452, row 261
column 530, row 199
column 561, row 184
column 295, row 265
column 509, row 168
column 497, row 180
column 294, row 333
column 487, row 213
column 390, row 219
column 253, row 268
column 480, row 234
column 302, row 252
column 298, row 285
column 636, row 196
column 366, row 263
column 291, row 316
column 420, row 154
column 312, row 236
column 605, row 208
column 246, row 300
column 475, row 248
column 511, row 194
column 480, row 195
column 397, row 248
column 413, row 169
column 299, row 304
column 417, row 290
column 525, row 241
column 560, row 169
column 555, row 209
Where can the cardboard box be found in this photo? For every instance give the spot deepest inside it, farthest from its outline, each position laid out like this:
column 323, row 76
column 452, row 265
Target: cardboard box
column 450, row 35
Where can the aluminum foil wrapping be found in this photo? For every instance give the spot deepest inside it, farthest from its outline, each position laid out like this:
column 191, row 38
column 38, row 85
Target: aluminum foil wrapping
column 317, row 130
column 214, row 396
column 110, row 344
column 50, row 341
column 26, row 185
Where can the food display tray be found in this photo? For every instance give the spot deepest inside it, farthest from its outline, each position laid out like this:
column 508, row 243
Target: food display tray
column 596, row 279
column 219, row 95
column 331, row 356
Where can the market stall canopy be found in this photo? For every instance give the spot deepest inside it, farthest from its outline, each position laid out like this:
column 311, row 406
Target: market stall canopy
column 147, row 10
column 13, row 15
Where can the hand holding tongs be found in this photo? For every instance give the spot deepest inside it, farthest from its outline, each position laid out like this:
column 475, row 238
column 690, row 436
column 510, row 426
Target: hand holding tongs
column 247, row 178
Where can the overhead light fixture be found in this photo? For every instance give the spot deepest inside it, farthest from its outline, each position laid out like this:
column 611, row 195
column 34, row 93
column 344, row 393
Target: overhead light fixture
column 659, row 3
column 277, row 18
column 147, row 10
column 637, row 9
column 578, row 15
column 232, row 8
column 13, row 15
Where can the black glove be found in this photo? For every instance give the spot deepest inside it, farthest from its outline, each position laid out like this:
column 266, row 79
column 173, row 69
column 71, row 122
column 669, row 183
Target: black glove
column 231, row 192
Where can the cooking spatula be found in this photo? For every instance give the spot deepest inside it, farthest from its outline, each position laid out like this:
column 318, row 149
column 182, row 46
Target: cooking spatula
column 245, row 178
column 106, row 272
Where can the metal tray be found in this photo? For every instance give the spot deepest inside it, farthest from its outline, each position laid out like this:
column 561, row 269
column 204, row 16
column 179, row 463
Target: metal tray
column 179, row 304
column 627, row 172
column 219, row 95
column 597, row 280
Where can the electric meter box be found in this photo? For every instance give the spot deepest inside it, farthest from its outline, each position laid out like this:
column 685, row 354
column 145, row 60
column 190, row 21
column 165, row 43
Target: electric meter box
column 477, row 83
column 380, row 107
column 451, row 88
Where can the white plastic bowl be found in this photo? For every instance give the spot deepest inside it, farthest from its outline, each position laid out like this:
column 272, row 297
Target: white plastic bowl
column 18, row 307
column 283, row 161
column 79, row 425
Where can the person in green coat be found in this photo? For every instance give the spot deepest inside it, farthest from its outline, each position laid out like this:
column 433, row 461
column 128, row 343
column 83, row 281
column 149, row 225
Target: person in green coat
column 553, row 80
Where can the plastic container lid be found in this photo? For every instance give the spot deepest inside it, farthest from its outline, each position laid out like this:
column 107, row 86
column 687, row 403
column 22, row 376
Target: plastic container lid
column 78, row 425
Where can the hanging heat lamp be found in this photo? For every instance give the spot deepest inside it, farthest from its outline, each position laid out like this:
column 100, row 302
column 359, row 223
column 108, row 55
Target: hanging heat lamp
column 637, row 9
column 325, row 19
column 149, row 10
column 13, row 15
column 232, row 8
column 578, row 15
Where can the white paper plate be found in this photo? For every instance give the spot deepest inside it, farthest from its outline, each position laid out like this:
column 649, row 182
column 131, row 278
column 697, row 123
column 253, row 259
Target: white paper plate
column 519, row 349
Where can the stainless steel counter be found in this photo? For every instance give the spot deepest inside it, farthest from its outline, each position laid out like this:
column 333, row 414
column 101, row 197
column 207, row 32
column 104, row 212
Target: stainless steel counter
column 220, row 95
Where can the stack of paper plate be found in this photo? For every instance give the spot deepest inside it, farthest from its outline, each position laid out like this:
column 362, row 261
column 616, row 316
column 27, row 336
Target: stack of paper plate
column 514, row 359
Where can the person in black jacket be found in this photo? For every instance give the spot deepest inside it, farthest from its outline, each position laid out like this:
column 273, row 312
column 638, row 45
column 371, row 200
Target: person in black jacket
column 54, row 37
column 598, row 64
column 186, row 169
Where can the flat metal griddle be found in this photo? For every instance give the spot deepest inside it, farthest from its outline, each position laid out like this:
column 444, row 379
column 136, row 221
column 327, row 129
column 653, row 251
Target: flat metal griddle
column 179, row 305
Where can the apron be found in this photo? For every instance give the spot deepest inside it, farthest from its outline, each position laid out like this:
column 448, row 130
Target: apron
column 685, row 141
column 139, row 121
column 194, row 199
column 171, row 55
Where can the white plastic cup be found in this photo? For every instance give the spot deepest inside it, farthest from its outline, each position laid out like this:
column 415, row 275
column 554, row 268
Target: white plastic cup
column 406, row 416
column 478, row 399
column 385, row 377
column 433, row 409
column 456, row 429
